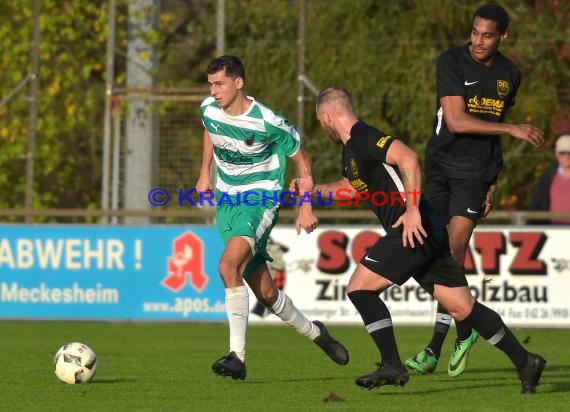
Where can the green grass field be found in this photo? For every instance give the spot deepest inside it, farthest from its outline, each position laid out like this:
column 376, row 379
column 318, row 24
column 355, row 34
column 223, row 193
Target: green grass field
column 166, row 367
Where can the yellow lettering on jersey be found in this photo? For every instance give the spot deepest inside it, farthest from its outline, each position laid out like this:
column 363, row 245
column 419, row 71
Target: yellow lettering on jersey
column 486, row 105
column 353, row 167
column 488, row 102
column 382, row 141
column 359, row 185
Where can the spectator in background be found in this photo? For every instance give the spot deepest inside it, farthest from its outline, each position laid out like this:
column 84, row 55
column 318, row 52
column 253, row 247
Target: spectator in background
column 552, row 193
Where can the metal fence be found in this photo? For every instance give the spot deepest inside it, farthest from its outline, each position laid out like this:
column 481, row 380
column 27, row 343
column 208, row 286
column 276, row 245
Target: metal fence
column 176, row 158
column 171, row 161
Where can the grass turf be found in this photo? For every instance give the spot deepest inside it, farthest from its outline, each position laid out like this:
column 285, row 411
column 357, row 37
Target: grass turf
column 167, row 367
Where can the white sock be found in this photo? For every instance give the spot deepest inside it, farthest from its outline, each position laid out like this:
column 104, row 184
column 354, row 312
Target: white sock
column 288, row 313
column 237, row 310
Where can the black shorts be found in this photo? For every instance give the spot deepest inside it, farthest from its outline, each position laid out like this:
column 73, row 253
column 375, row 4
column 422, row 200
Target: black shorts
column 429, row 264
column 456, row 197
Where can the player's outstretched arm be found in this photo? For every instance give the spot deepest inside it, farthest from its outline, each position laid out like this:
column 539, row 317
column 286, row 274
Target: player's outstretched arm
column 459, row 121
column 339, row 190
column 306, row 219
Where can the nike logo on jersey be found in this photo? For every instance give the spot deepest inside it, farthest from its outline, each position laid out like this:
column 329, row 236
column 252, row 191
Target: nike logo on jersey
column 470, row 83
column 469, row 210
column 370, row 259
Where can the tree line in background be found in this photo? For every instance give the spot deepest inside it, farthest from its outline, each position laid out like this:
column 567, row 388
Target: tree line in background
column 383, row 52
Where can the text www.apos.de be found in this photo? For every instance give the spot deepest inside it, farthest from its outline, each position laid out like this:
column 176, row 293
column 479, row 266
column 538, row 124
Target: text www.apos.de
column 185, row 306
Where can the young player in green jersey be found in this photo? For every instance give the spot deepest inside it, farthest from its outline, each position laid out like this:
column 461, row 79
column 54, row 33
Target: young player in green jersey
column 249, row 144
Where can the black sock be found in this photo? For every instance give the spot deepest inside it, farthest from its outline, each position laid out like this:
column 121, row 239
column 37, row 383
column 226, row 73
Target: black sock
column 463, row 330
column 378, row 322
column 490, row 325
column 442, row 323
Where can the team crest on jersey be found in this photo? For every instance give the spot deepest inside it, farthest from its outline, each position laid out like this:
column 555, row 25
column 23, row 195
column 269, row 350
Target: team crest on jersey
column 502, row 88
column 353, row 168
column 382, row 141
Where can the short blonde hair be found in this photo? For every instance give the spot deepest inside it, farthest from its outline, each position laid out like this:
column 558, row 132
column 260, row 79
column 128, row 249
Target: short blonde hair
column 337, row 97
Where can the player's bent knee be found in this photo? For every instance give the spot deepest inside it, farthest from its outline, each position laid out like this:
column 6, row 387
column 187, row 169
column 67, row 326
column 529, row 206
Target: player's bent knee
column 267, row 298
column 365, row 279
column 461, row 311
column 458, row 315
column 228, row 271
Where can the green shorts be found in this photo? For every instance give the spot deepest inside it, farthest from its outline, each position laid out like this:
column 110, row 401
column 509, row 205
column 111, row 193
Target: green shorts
column 255, row 222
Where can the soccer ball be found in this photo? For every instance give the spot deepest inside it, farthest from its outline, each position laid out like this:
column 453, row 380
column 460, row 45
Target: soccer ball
column 75, row 363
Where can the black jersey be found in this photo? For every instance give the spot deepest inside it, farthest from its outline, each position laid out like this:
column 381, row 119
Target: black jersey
column 488, row 92
column 364, row 165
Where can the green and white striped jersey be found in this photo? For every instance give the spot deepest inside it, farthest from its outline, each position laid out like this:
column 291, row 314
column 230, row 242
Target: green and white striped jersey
column 250, row 149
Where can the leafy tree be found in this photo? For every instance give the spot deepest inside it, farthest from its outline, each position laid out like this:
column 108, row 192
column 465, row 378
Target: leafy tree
column 384, row 52
column 70, row 103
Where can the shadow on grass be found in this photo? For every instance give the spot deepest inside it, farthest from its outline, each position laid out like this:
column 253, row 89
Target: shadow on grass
column 475, row 369
column 555, row 379
column 472, row 374
column 273, row 381
column 544, row 388
column 111, row 381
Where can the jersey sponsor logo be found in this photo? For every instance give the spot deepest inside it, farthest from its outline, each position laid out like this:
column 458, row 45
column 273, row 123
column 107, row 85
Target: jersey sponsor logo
column 470, row 83
column 382, row 141
column 485, row 105
column 239, row 159
column 487, row 102
column 502, row 88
